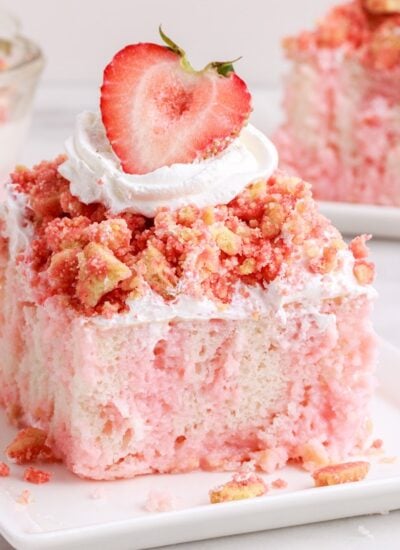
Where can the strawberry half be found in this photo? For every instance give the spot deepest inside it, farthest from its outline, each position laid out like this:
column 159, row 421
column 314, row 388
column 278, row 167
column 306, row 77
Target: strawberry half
column 157, row 110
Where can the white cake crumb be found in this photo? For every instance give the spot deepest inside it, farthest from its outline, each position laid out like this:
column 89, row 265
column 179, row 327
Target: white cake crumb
column 160, row 501
column 24, row 498
column 365, row 532
column 97, row 494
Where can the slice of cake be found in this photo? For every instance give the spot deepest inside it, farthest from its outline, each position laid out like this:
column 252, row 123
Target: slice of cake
column 342, row 110
column 169, row 302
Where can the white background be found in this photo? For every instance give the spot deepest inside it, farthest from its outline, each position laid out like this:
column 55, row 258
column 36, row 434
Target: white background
column 80, row 36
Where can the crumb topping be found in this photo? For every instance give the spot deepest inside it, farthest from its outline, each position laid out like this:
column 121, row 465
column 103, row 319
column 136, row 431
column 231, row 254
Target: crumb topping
column 29, row 446
column 97, row 260
column 368, row 27
column 382, row 6
column 358, row 247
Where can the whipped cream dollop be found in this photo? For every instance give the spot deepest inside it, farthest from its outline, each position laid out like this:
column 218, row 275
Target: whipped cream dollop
column 95, row 173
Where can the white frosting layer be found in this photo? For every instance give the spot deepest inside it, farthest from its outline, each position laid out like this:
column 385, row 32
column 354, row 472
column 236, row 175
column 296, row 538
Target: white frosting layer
column 16, row 229
column 309, row 291
column 96, row 176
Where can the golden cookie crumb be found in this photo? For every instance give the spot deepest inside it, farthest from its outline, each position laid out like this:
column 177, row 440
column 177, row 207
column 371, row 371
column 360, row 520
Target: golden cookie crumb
column 382, row 6
column 336, row 474
column 241, row 487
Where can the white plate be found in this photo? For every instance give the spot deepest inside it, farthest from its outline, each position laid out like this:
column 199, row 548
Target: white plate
column 380, row 221
column 64, row 513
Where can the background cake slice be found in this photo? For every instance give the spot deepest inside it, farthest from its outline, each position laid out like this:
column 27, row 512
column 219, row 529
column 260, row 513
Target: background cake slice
column 342, row 115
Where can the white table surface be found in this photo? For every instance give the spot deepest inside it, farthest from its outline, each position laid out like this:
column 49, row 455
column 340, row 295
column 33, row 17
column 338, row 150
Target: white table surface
column 56, row 108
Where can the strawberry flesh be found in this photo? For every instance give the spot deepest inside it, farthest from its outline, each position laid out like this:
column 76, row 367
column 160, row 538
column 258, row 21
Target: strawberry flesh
column 157, row 112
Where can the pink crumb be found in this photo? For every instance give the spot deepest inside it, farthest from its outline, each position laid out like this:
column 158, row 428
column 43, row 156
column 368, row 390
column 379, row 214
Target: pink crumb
column 29, row 446
column 159, row 501
column 3, row 113
column 245, row 477
column 279, row 484
column 359, row 247
column 4, row 470
column 246, row 468
column 377, row 444
column 32, row 475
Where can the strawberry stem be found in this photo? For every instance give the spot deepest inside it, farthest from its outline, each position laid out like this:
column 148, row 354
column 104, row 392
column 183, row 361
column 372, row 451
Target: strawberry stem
column 224, row 68
column 176, row 49
column 170, row 43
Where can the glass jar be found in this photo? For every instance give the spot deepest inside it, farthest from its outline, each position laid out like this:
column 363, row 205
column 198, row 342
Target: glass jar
column 21, row 63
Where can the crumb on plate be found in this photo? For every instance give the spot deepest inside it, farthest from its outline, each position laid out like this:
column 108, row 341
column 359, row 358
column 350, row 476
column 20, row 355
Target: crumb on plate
column 159, row 501
column 28, row 446
column 4, row 469
column 365, row 532
column 341, row 473
column 33, row 475
column 279, row 484
column 25, row 497
column 241, row 486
